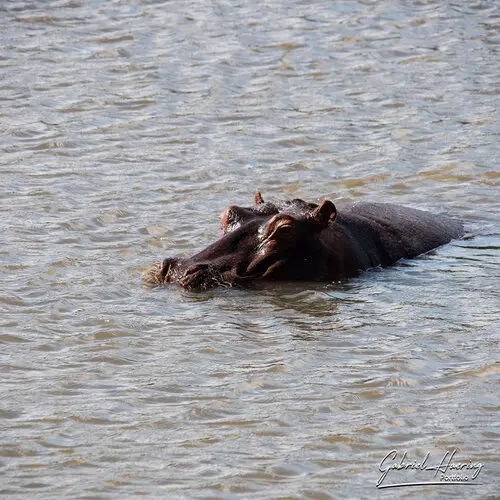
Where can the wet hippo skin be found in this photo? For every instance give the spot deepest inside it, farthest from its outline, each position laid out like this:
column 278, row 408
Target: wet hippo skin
column 296, row 240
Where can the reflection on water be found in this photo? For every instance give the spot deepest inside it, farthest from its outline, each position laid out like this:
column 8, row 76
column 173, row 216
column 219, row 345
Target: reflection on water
column 127, row 127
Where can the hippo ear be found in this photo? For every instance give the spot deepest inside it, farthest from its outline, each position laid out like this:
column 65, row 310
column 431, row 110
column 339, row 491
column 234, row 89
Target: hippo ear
column 323, row 214
column 257, row 199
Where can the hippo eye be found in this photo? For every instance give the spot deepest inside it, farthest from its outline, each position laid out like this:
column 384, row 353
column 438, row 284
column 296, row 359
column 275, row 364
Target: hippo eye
column 284, row 232
column 285, row 228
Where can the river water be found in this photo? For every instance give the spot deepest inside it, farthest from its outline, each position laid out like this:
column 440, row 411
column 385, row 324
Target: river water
column 126, row 127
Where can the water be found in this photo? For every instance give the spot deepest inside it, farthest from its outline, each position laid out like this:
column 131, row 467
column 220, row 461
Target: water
column 126, row 127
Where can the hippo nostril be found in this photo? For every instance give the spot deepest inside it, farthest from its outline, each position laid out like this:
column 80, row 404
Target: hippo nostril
column 166, row 267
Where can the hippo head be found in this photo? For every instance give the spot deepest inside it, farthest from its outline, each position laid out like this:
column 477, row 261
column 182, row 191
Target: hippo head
column 264, row 242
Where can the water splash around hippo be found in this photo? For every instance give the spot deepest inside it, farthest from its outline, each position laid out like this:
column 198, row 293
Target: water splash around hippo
column 298, row 241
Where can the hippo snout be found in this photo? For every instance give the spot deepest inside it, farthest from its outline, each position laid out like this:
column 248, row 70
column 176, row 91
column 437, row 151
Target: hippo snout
column 167, row 267
column 192, row 276
column 160, row 272
column 201, row 277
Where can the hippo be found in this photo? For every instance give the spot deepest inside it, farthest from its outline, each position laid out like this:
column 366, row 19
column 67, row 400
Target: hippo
column 294, row 240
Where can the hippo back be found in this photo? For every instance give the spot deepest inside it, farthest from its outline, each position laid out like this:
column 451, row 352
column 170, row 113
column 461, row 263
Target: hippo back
column 382, row 233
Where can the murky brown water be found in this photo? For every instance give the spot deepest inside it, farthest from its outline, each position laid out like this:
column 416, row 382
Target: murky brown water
column 126, row 127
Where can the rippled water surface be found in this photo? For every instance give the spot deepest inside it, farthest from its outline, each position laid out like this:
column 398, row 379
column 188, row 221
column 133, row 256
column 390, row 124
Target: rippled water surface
column 125, row 128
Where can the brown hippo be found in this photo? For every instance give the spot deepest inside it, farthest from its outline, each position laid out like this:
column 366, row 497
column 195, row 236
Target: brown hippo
column 296, row 240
